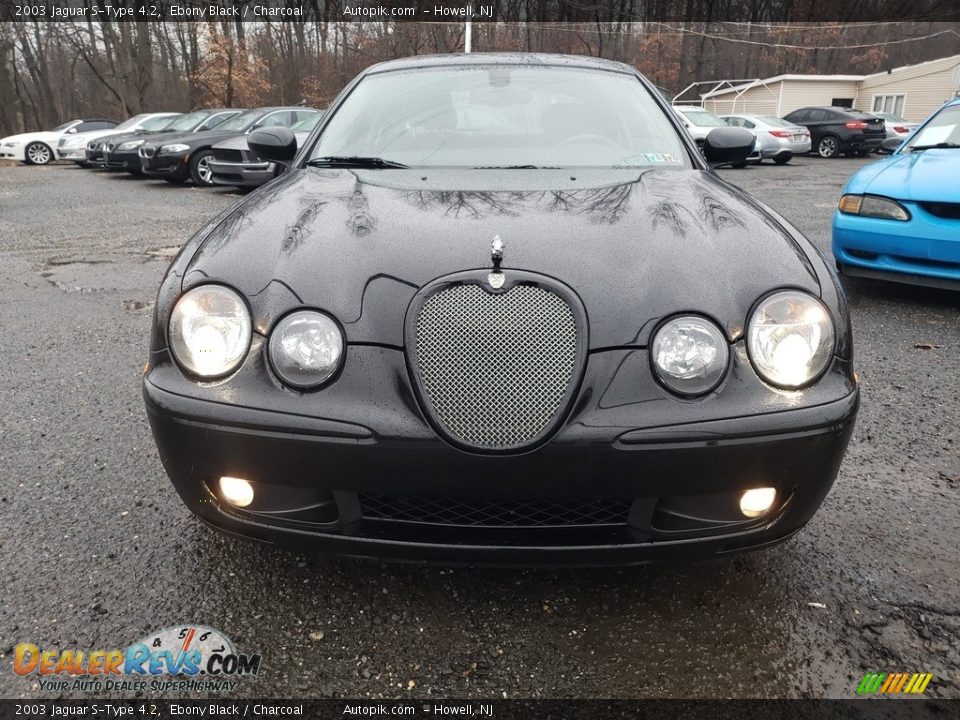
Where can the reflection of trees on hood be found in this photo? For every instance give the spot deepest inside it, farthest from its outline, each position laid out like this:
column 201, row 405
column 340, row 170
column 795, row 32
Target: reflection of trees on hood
column 604, row 205
column 310, row 206
column 360, row 221
column 473, row 204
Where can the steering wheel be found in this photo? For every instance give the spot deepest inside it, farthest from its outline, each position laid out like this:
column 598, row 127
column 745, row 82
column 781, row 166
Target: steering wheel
column 588, row 136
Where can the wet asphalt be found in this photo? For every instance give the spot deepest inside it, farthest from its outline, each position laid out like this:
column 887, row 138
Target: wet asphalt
column 97, row 549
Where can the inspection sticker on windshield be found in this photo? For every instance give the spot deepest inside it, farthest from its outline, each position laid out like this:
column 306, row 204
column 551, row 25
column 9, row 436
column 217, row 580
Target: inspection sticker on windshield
column 935, row 135
column 659, row 158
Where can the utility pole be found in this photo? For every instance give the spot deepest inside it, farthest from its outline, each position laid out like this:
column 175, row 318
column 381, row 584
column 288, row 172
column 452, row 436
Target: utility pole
column 468, row 30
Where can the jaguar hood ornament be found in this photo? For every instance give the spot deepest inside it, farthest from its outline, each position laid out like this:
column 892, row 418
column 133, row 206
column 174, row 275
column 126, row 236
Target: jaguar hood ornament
column 496, row 277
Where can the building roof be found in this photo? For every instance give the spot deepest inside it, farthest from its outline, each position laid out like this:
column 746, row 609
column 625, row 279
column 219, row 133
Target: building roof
column 836, row 78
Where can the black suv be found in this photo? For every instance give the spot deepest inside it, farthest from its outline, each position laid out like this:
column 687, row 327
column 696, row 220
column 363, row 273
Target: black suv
column 840, row 131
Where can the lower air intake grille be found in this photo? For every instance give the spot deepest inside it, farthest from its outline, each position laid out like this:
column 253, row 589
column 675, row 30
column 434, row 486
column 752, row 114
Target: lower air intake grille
column 495, row 513
column 495, row 367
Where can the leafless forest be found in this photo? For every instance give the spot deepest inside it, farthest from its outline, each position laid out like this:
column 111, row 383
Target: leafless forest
column 52, row 71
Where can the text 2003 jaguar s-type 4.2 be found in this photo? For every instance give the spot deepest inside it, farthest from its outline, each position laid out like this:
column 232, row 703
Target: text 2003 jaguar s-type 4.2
column 500, row 309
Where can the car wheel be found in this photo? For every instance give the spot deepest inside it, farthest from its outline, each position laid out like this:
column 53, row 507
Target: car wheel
column 783, row 158
column 200, row 171
column 828, row 147
column 38, row 153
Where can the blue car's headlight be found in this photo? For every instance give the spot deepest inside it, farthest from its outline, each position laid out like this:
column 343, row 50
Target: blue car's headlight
column 873, row 206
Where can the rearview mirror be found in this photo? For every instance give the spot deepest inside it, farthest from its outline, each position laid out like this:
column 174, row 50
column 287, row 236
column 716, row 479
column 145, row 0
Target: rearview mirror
column 728, row 145
column 274, row 143
column 891, row 144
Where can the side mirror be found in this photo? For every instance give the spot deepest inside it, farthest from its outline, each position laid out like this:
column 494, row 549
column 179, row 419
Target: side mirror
column 891, row 144
column 71, row 130
column 728, row 145
column 274, row 143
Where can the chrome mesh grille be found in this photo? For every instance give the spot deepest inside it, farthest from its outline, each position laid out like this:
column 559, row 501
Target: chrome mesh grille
column 495, row 367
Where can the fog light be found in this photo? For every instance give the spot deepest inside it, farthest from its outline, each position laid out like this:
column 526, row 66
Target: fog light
column 754, row 503
column 238, row 491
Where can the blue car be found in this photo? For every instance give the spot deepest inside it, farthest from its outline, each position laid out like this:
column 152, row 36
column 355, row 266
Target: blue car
column 899, row 218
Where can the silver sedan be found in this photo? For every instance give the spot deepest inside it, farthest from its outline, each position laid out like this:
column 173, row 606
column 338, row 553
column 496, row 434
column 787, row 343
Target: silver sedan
column 779, row 140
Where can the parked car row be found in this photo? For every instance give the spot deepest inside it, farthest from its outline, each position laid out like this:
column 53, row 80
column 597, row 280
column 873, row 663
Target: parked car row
column 828, row 131
column 207, row 147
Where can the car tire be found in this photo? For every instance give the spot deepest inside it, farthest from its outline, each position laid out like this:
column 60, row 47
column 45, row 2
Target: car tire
column 828, row 146
column 38, row 153
column 863, row 153
column 739, row 165
column 200, row 171
column 783, row 158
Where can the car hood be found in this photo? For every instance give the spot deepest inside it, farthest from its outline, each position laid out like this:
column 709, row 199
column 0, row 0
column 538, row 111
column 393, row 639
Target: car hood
column 210, row 137
column 636, row 246
column 42, row 136
column 929, row 175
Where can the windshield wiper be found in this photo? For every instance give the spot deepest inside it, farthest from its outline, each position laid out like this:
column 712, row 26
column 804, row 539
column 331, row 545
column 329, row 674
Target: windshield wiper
column 517, row 167
column 357, row 161
column 935, row 146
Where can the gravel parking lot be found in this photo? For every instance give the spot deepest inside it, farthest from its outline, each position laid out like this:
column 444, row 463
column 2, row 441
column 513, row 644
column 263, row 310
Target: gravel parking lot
column 98, row 550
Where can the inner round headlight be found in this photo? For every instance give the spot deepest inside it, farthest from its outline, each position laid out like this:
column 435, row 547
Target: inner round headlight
column 210, row 330
column 690, row 355
column 790, row 338
column 306, row 348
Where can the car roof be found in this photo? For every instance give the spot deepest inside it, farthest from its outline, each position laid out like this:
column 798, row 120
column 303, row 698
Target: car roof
column 501, row 58
column 96, row 119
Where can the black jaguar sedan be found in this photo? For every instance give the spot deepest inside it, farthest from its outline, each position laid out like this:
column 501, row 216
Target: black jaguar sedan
column 182, row 157
column 501, row 310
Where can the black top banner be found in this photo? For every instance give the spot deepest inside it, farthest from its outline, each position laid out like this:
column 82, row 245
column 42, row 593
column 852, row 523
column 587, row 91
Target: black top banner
column 479, row 709
column 496, row 11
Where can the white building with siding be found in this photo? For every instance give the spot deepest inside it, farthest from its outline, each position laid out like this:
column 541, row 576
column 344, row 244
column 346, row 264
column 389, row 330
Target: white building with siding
column 911, row 91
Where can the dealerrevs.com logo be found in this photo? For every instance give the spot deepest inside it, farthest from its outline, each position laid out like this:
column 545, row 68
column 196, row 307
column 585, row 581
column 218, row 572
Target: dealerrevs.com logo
column 894, row 683
column 178, row 658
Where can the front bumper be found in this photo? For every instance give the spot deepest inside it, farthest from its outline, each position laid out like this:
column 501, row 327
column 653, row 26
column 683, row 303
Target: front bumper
column 321, row 462
column 15, row 152
column 172, row 165
column 75, row 154
column 924, row 250
column 122, row 160
column 242, row 174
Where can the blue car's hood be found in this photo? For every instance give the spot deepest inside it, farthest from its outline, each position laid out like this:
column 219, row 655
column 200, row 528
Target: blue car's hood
column 929, row 175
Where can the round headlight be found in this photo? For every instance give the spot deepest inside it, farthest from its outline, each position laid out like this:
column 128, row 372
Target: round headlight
column 790, row 338
column 210, row 331
column 306, row 348
column 690, row 355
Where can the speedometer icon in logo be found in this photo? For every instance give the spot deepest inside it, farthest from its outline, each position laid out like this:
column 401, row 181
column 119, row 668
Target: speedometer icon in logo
column 189, row 650
column 187, row 638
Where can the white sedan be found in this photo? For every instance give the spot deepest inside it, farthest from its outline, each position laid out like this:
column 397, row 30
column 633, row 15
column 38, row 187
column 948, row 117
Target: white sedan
column 37, row 148
column 700, row 122
column 74, row 146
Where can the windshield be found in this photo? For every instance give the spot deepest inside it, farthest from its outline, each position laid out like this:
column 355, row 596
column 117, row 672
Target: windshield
column 703, row 118
column 942, row 129
column 65, row 126
column 240, row 122
column 157, row 123
column 189, row 121
column 307, row 124
column 890, row 116
column 129, row 123
column 503, row 116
